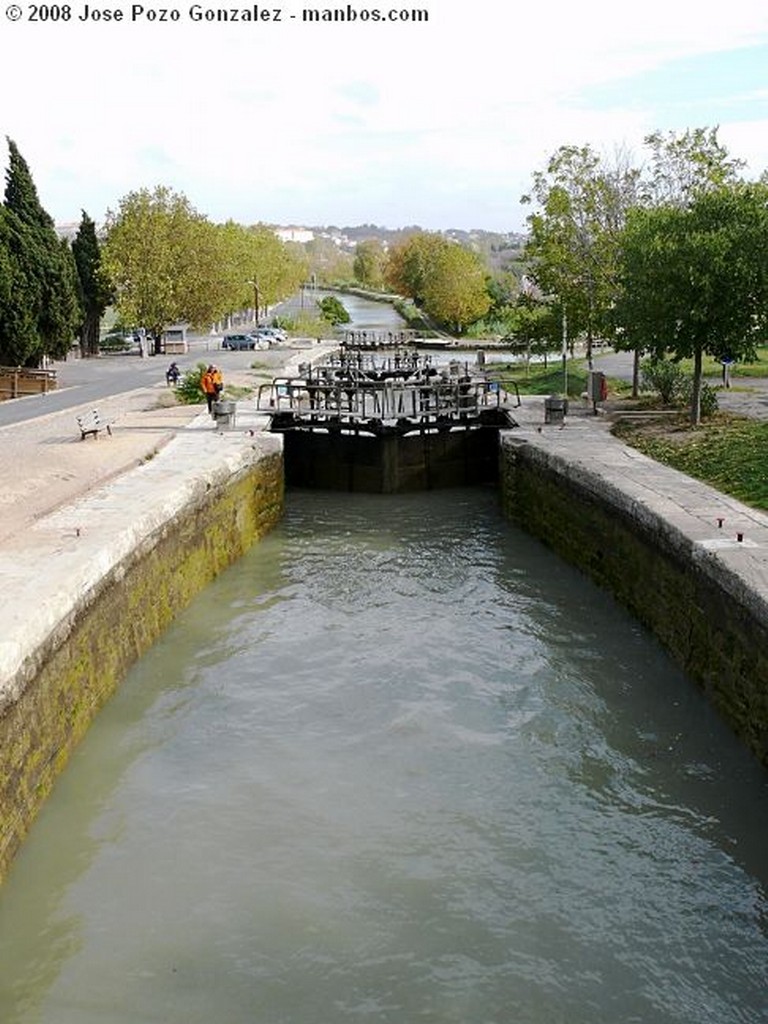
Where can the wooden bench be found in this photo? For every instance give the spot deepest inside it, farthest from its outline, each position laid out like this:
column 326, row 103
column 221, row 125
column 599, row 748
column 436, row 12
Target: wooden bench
column 92, row 423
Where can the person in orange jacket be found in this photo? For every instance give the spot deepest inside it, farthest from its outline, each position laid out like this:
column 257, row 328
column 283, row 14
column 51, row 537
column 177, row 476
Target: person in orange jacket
column 208, row 384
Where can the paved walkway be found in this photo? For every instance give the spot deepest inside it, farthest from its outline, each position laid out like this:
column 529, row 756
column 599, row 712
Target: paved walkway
column 44, row 464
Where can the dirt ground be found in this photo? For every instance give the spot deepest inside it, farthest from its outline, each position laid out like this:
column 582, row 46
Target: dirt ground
column 45, row 463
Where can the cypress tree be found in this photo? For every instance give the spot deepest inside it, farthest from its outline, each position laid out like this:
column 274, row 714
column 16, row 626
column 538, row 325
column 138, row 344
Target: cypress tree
column 19, row 298
column 94, row 287
column 43, row 266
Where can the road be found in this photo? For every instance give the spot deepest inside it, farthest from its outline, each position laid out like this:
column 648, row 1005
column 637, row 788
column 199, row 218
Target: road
column 85, row 381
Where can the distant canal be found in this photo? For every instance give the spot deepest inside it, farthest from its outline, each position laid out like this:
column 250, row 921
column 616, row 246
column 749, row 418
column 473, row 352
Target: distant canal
column 398, row 764
column 365, row 314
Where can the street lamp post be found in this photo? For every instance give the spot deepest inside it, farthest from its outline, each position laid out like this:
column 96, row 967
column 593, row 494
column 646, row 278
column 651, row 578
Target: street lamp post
column 564, row 353
column 255, row 301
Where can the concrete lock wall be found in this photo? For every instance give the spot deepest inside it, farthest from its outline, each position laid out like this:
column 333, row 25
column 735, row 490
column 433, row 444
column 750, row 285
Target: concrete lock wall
column 188, row 515
column 706, row 615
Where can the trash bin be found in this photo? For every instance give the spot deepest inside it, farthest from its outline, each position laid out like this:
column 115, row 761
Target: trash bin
column 224, row 414
column 555, row 409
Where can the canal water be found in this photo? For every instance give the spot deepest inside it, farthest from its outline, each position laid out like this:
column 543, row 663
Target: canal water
column 398, row 764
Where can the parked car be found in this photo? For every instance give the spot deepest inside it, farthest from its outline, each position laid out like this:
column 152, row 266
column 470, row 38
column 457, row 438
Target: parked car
column 236, row 342
column 271, row 334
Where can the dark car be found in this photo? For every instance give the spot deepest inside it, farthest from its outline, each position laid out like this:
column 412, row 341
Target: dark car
column 236, row 342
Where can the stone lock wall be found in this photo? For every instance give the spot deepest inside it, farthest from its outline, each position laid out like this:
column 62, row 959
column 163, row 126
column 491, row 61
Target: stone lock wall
column 711, row 624
column 63, row 684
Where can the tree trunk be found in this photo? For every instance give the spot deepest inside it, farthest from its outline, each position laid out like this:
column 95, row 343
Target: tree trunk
column 89, row 336
column 636, row 373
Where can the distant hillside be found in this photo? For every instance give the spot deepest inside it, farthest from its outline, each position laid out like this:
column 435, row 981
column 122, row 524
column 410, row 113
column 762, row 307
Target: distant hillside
column 501, row 250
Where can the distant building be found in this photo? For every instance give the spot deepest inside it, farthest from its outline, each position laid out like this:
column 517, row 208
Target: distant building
column 67, row 231
column 294, row 234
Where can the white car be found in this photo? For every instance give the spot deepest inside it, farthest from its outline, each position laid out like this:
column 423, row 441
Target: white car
column 271, row 334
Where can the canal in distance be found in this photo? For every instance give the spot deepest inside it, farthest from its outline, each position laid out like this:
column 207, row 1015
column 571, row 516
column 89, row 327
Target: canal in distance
column 398, row 764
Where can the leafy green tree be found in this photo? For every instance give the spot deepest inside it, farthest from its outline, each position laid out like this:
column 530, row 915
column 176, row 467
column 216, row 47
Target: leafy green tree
column 534, row 327
column 94, row 286
column 410, row 264
column 326, row 263
column 368, row 265
column 165, row 261
column 278, row 270
column 694, row 279
column 334, row 311
column 445, row 280
column 19, row 298
column 255, row 267
column 455, row 292
column 572, row 248
column 684, row 164
column 41, row 315
column 503, row 290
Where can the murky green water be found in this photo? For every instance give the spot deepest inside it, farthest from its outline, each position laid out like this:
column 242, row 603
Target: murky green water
column 399, row 764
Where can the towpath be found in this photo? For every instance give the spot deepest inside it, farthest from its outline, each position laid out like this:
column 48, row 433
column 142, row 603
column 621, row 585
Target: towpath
column 44, row 464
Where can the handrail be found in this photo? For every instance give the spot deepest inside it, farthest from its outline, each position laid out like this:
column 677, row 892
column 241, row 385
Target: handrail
column 417, row 398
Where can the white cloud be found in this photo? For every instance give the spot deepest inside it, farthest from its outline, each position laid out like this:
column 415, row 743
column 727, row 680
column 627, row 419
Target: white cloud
column 440, row 124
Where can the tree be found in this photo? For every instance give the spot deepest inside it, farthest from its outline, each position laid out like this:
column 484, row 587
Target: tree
column 19, row 298
column 334, row 311
column 40, row 316
column 327, row 264
column 410, row 264
column 455, row 291
column 682, row 166
column 165, row 261
column 368, row 265
column 686, row 164
column 447, row 281
column 534, row 327
column 694, row 279
column 572, row 248
column 94, row 286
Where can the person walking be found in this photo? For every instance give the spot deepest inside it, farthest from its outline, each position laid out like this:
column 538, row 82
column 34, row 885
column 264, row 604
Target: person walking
column 208, row 384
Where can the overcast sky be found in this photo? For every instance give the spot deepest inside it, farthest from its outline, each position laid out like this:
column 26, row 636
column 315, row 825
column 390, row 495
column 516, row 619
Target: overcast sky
column 438, row 123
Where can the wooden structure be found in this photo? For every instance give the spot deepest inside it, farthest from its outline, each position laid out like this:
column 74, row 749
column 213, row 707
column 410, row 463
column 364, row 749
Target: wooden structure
column 17, row 381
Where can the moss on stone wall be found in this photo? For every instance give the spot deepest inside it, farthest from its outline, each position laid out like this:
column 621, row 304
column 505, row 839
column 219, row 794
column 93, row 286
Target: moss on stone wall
column 119, row 622
column 712, row 636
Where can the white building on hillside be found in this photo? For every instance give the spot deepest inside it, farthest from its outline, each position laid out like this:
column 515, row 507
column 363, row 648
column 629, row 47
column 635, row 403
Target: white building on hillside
column 294, row 234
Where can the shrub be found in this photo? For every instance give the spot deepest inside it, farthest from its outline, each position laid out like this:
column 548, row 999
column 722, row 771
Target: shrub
column 664, row 377
column 334, row 311
column 708, row 400
column 189, row 390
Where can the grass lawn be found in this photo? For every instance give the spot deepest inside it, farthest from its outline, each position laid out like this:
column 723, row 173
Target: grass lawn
column 712, row 368
column 728, row 452
column 540, row 380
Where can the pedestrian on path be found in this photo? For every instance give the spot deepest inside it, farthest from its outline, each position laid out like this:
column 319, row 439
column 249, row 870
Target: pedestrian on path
column 208, row 383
